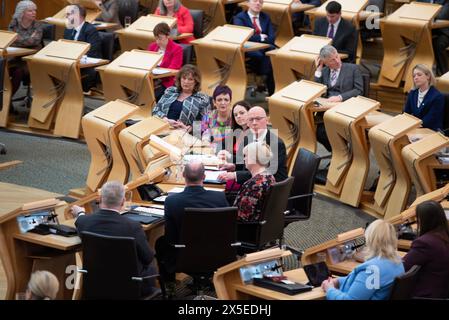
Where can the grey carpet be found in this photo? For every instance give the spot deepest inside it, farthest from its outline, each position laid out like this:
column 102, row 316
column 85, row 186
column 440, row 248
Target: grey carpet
column 59, row 165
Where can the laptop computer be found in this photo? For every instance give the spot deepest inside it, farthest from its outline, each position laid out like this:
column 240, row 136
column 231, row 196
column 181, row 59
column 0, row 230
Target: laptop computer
column 317, row 273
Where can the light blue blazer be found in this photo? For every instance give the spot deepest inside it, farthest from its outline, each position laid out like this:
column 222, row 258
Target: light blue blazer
column 371, row 280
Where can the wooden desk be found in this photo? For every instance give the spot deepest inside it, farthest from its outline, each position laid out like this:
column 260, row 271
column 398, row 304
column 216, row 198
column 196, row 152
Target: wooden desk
column 407, row 41
column 8, row 53
column 249, row 291
column 230, row 286
column 221, row 59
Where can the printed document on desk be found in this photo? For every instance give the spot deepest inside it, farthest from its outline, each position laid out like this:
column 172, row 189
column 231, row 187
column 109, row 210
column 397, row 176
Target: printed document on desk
column 160, row 71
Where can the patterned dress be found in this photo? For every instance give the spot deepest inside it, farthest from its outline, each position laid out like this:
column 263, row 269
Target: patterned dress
column 250, row 198
column 30, row 37
column 215, row 130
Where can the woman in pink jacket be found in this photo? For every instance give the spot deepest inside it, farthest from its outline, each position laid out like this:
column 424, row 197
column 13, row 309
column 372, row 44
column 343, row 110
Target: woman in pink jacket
column 184, row 20
column 172, row 56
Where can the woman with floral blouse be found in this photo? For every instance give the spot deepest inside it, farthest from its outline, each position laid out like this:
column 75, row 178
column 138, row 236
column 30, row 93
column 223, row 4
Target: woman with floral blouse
column 249, row 200
column 216, row 125
column 29, row 35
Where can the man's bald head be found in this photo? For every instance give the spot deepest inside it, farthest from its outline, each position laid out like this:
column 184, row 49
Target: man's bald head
column 194, row 173
column 257, row 119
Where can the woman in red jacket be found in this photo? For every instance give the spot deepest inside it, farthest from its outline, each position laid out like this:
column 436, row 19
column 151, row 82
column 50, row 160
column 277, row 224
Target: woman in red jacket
column 172, row 56
column 184, row 21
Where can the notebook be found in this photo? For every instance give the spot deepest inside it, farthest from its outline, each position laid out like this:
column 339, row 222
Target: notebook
column 144, row 219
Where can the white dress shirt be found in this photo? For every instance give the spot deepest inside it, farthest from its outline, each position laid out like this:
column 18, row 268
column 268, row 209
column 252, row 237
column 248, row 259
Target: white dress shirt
column 251, row 16
column 336, row 24
column 78, row 29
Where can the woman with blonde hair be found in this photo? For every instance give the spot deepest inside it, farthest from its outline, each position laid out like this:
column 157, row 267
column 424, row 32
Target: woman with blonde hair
column 373, row 279
column 43, row 285
column 257, row 157
column 425, row 101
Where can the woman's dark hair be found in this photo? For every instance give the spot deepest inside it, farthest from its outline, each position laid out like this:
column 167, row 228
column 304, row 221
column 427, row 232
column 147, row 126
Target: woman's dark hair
column 431, row 217
column 222, row 90
column 161, row 28
column 245, row 105
column 189, row 69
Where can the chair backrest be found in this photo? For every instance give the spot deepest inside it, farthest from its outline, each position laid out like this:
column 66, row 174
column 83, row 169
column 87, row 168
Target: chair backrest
column 48, row 32
column 208, row 235
column 111, row 262
column 404, row 285
column 270, row 227
column 2, row 75
column 107, row 45
column 304, row 172
column 366, row 83
column 197, row 16
column 128, row 9
column 187, row 53
column 446, row 114
column 378, row 3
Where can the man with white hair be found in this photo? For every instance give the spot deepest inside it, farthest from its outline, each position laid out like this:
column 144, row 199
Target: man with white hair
column 343, row 81
column 108, row 221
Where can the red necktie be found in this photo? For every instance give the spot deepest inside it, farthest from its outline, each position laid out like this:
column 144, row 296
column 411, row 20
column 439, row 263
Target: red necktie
column 256, row 27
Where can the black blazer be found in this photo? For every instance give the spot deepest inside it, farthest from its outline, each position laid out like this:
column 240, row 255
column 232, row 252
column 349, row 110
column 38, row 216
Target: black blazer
column 90, row 35
column 431, row 253
column 345, row 40
column 191, row 197
column 431, row 110
column 110, row 223
column 280, row 153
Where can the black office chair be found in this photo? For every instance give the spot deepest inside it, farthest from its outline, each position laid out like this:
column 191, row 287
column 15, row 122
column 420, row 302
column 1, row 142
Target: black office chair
column 187, row 53
column 197, row 16
column 366, row 83
column 300, row 202
column 2, row 75
column 128, row 9
column 48, row 33
column 258, row 235
column 110, row 268
column 446, row 115
column 107, row 45
column 207, row 242
column 404, row 285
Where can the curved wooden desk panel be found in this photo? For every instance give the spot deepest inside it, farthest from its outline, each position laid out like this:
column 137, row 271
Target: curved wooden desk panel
column 222, row 64
column 350, row 159
column 134, row 139
column 387, row 140
column 407, row 41
column 289, row 116
column 420, row 160
column 214, row 12
column 101, row 129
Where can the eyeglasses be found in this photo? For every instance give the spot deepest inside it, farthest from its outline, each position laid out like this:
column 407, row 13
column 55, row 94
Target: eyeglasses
column 256, row 119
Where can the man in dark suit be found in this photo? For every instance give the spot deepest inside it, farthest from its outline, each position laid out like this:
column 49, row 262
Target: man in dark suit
column 343, row 34
column 193, row 196
column 258, row 122
column 108, row 221
column 264, row 33
column 80, row 30
column 440, row 39
column 343, row 81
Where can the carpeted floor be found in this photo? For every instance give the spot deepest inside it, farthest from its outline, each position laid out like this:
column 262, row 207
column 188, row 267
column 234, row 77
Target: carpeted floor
column 59, row 165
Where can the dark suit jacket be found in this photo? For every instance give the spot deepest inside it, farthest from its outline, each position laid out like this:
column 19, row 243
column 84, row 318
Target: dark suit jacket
column 191, row 197
column 431, row 253
column 345, row 40
column 90, row 35
column 431, row 111
column 110, row 223
column 349, row 83
column 242, row 19
column 278, row 164
column 443, row 14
